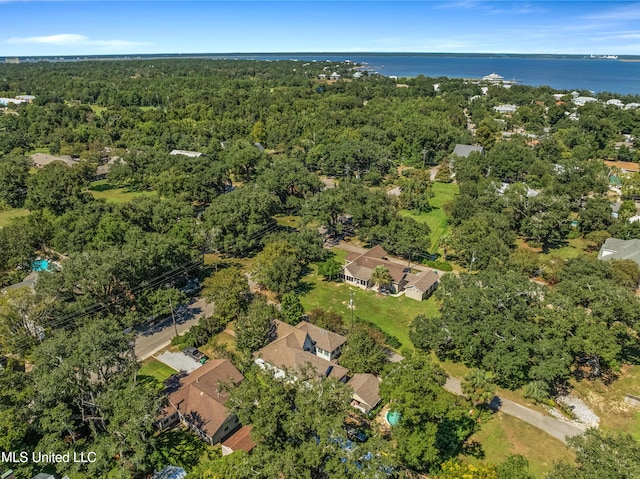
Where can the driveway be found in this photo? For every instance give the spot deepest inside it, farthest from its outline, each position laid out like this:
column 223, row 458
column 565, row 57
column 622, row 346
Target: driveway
column 555, row 427
column 150, row 340
column 178, row 361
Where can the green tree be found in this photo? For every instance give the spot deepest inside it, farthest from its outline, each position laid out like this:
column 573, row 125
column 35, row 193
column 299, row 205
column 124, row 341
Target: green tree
column 600, row 456
column 596, row 215
column 278, row 268
column 228, row 290
column 362, row 353
column 56, row 187
column 478, row 386
column 256, row 326
column 514, row 467
column 433, row 425
column 298, row 428
column 291, row 308
column 329, row 268
column 86, row 381
column 235, row 221
column 13, row 181
column 381, row 277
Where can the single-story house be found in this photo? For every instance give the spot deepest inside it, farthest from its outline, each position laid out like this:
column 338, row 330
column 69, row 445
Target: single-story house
column 614, row 248
column 464, row 151
column 40, row 160
column 335, row 76
column 27, row 98
column 366, row 391
column 615, row 102
column 190, row 154
column 634, row 219
column 44, row 475
column 583, row 100
column 239, row 441
column 200, row 401
column 359, row 268
column 505, row 109
column 296, row 347
column 357, row 75
column 170, row 472
column 629, row 106
column 322, row 76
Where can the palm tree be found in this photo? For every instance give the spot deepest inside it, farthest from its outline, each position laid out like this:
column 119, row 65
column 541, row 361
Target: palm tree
column 478, row 386
column 381, row 277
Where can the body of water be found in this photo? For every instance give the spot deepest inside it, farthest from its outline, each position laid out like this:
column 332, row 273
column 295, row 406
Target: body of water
column 562, row 73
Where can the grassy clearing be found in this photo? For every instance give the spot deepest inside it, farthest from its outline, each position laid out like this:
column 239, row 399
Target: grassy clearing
column 393, row 315
column 98, row 109
column 607, row 401
column 113, row 194
column 504, row 435
column 7, row 216
column 38, row 150
column 436, row 218
column 573, row 248
column 288, row 221
column 157, row 370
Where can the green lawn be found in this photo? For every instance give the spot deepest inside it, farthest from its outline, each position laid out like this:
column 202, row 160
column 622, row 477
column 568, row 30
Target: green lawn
column 7, row 216
column 114, row 194
column 436, row 218
column 157, row 370
column 503, row 435
column 393, row 315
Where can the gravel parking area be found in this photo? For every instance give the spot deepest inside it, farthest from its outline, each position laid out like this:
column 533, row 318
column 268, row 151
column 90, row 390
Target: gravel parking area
column 178, row 361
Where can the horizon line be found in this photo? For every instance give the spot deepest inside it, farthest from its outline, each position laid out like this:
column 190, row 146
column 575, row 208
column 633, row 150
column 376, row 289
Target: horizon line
column 310, row 53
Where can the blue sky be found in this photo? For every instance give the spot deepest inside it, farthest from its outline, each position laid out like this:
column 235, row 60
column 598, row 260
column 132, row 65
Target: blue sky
column 127, row 27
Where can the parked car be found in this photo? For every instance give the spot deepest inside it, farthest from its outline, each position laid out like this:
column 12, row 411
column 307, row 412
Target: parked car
column 195, row 353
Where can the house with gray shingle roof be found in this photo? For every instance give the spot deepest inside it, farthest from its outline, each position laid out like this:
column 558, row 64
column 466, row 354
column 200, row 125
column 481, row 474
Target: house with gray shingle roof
column 465, row 150
column 614, row 248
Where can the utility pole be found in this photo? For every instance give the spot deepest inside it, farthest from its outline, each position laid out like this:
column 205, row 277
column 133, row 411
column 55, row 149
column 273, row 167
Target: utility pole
column 351, row 306
column 175, row 326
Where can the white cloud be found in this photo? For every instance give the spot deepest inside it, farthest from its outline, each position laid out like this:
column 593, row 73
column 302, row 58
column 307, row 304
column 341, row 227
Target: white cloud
column 73, row 39
column 624, row 13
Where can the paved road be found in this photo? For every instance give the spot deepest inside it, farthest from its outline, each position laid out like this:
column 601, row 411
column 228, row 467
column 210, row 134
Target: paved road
column 150, row 341
column 555, row 427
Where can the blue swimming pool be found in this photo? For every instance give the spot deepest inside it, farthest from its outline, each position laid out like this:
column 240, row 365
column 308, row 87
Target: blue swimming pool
column 40, row 265
column 393, row 418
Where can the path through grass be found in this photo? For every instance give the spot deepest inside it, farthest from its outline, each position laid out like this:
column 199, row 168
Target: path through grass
column 437, row 218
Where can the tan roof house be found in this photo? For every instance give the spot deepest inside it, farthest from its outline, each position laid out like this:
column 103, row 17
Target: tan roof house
column 366, row 391
column 359, row 269
column 40, row 160
column 200, row 401
column 304, row 345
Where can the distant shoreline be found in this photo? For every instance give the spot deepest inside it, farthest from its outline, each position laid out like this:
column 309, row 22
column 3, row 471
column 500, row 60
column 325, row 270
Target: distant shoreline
column 153, row 56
